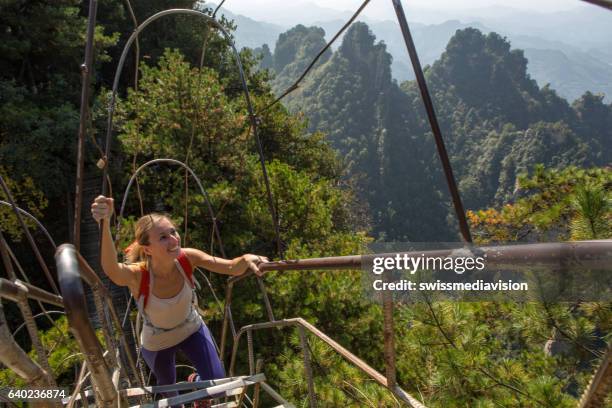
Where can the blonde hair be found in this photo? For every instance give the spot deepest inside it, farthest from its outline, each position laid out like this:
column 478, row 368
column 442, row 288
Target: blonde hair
column 141, row 232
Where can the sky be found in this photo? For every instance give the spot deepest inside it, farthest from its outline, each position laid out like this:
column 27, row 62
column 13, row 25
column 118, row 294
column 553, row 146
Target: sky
column 383, row 9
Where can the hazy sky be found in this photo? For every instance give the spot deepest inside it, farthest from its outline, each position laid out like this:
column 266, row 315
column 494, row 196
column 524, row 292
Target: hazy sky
column 382, row 9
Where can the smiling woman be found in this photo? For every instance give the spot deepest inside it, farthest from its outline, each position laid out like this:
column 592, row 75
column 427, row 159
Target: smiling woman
column 160, row 275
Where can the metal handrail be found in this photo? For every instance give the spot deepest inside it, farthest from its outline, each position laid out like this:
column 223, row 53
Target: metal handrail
column 15, row 290
column 73, row 293
column 561, row 256
column 15, row 358
column 350, row 357
column 587, row 254
column 99, row 289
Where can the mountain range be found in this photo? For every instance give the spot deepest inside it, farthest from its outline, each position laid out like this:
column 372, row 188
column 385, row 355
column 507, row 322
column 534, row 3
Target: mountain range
column 570, row 50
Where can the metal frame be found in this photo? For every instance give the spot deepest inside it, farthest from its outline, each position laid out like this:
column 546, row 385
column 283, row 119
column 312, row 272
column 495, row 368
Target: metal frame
column 28, row 235
column 38, row 223
column 303, row 326
column 252, row 117
column 199, row 183
column 86, row 69
column 72, row 269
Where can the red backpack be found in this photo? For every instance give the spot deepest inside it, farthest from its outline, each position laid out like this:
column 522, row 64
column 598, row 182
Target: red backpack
column 145, row 278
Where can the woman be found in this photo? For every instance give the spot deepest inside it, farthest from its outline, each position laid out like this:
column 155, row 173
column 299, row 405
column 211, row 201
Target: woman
column 160, row 276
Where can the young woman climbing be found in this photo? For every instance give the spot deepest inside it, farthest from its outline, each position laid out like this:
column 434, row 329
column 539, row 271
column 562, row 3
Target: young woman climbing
column 160, row 276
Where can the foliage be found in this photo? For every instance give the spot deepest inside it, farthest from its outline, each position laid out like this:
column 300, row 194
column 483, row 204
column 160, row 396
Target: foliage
column 571, row 203
column 495, row 121
column 554, row 205
column 179, row 111
column 63, row 355
column 293, row 52
column 41, row 46
column 28, row 195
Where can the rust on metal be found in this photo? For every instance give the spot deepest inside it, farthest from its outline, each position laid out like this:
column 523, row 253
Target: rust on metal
column 14, row 290
column 15, row 358
column 312, row 398
column 389, row 336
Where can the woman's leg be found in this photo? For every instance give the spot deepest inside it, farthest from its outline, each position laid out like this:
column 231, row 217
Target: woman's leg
column 163, row 365
column 201, row 351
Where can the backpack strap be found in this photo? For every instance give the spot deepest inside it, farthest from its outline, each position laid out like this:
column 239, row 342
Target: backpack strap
column 144, row 285
column 145, row 278
column 186, row 267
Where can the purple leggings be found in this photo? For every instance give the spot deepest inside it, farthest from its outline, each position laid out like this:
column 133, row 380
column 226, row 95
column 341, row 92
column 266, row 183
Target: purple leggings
column 200, row 350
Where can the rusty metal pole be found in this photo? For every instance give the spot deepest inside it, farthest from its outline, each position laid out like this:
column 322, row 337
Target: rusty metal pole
column 266, row 299
column 389, row 336
column 433, row 121
column 26, row 311
column 312, row 398
column 13, row 356
column 86, row 69
column 227, row 318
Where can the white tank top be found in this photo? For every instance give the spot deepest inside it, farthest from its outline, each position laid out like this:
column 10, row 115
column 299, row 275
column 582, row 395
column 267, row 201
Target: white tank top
column 169, row 321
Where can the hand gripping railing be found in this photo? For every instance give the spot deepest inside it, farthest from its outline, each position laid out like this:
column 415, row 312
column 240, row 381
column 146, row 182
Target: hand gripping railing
column 72, row 270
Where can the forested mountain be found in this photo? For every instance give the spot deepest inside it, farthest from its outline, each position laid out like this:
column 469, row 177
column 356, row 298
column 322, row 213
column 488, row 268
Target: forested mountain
column 496, row 121
column 573, row 61
column 361, row 135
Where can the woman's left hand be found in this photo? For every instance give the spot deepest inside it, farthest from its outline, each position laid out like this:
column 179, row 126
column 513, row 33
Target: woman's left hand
column 253, row 262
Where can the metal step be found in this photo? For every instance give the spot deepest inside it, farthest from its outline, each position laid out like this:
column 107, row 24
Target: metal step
column 230, row 388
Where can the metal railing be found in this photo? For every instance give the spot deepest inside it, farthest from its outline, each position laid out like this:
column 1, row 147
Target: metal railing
column 563, row 256
column 303, row 326
column 38, row 373
column 72, row 270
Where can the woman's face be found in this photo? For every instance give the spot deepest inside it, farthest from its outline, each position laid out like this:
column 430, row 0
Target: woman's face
column 164, row 241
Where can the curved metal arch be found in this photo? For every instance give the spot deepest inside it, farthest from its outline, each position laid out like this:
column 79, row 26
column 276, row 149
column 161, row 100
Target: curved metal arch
column 186, row 167
column 22, row 325
column 38, row 223
column 252, row 117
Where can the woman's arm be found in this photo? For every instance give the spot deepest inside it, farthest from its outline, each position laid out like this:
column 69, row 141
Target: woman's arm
column 121, row 274
column 234, row 267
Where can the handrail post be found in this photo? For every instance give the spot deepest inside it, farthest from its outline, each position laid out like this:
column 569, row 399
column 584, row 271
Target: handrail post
column 251, row 352
column 227, row 318
column 312, row 399
column 26, row 311
column 389, row 336
column 266, row 299
column 86, row 69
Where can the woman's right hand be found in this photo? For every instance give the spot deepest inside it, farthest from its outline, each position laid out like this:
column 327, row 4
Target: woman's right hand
column 102, row 208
